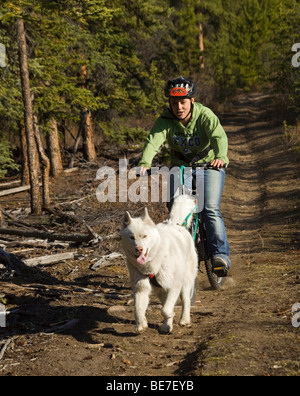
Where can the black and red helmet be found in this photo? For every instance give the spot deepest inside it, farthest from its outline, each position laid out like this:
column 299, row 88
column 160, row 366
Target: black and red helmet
column 180, row 87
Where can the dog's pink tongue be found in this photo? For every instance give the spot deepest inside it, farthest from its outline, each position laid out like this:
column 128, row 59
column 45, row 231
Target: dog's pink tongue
column 141, row 260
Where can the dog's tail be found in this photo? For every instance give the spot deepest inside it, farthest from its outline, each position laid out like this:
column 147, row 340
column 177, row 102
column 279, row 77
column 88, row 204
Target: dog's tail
column 182, row 207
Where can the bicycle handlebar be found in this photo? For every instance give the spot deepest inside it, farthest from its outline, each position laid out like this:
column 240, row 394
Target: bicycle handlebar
column 204, row 166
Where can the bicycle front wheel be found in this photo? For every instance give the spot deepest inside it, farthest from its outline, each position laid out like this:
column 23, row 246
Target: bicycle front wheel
column 215, row 281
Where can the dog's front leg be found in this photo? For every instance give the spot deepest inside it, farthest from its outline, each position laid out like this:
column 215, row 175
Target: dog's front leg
column 186, row 293
column 141, row 298
column 168, row 310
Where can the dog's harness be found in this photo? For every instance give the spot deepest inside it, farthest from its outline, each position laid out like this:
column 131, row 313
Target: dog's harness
column 187, row 218
column 194, row 210
column 153, row 280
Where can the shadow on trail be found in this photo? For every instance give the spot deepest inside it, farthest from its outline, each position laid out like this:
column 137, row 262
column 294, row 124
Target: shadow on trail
column 40, row 303
column 38, row 314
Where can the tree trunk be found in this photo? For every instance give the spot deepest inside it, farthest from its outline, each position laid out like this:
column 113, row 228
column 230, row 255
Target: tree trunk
column 201, row 38
column 28, row 119
column 77, row 141
column 89, row 152
column 45, row 164
column 201, row 45
column 54, row 149
column 25, row 168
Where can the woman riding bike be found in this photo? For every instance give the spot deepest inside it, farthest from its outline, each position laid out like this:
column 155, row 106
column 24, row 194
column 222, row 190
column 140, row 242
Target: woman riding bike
column 195, row 136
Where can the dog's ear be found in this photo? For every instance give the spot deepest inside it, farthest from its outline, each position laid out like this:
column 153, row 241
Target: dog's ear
column 127, row 219
column 146, row 218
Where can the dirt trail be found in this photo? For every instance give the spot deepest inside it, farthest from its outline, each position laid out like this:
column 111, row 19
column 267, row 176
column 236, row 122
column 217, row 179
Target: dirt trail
column 245, row 329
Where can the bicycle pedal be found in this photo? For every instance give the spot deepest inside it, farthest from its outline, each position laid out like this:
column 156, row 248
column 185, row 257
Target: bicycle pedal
column 221, row 272
column 220, row 267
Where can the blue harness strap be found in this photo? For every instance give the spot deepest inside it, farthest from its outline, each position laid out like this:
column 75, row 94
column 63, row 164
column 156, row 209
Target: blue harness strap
column 195, row 208
column 184, row 224
column 181, row 175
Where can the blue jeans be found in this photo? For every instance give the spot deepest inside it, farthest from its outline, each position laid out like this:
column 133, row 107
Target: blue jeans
column 210, row 184
column 216, row 233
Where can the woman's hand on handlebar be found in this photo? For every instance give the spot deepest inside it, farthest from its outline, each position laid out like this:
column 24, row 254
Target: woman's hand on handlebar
column 217, row 163
column 143, row 170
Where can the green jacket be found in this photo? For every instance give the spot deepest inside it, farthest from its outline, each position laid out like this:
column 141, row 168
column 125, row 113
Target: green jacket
column 203, row 130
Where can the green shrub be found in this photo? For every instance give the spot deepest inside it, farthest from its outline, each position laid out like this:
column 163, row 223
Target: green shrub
column 122, row 134
column 6, row 158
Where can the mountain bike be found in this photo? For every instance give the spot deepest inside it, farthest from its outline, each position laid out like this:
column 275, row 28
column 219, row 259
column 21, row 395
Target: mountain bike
column 198, row 231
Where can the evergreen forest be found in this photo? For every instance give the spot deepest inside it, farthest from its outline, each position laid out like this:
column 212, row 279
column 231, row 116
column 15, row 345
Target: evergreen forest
column 102, row 65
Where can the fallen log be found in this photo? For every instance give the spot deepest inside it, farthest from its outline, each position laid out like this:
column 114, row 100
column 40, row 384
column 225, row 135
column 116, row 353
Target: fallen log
column 62, row 327
column 91, row 236
column 9, row 184
column 14, row 190
column 14, row 219
column 50, row 259
column 27, row 187
column 35, row 243
column 5, row 346
column 105, row 261
column 47, row 235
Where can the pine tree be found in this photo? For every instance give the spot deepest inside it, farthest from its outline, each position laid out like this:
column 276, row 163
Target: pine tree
column 28, row 119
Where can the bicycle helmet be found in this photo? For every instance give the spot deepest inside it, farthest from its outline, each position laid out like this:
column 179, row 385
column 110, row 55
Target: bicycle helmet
column 180, row 87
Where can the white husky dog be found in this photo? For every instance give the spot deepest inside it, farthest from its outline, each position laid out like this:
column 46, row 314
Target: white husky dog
column 162, row 258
